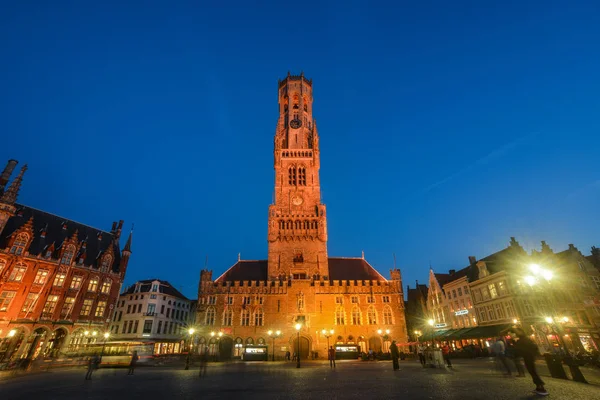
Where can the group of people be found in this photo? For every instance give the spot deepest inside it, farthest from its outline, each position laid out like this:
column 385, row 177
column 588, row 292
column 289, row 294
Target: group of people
column 95, row 360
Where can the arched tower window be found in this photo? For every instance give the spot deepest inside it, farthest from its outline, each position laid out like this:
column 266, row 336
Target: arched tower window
column 210, row 316
column 68, row 255
column 228, row 317
column 387, row 316
column 19, row 244
column 301, row 176
column 292, row 177
column 245, row 318
column 356, row 315
column 372, row 316
column 258, row 317
column 339, row 316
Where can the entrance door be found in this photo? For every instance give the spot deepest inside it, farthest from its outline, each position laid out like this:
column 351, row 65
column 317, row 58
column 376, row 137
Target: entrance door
column 304, row 347
column 375, row 344
column 225, row 348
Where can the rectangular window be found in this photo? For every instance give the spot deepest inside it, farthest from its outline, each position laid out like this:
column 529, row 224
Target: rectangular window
column 370, row 299
column 162, row 309
column 120, row 315
column 502, row 289
column 212, row 300
column 76, row 282
column 500, row 311
column 170, row 327
column 485, row 293
column 453, row 294
column 93, row 285
column 67, row 306
column 41, row 277
column 354, row 299
column 245, row 318
column 17, row 273
column 100, row 307
column 482, row 316
column 490, row 311
column 177, row 314
column 86, row 307
column 124, row 327
column 105, row 287
column 168, row 313
column 165, row 327
column 147, row 326
column 386, row 299
column 258, row 318
column 155, row 288
column 459, row 291
column 130, row 327
column 492, row 289
column 49, row 306
column 259, row 300
column 59, row 279
column 278, row 305
column 128, row 308
column 135, row 326
column 246, row 300
column 29, row 302
column 139, row 308
column 159, row 327
column 6, row 298
column 596, row 280
column 339, row 300
column 153, row 296
column 466, row 290
column 151, row 309
column 230, row 300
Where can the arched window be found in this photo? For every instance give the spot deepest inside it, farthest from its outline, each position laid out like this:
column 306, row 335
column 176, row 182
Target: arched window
column 298, row 224
column 68, row 255
column 106, row 261
column 106, row 286
column 356, row 315
column 305, row 224
column 19, row 244
column 258, row 317
column 387, row 315
column 228, row 317
column 371, row 316
column 210, row 316
column 292, row 176
column 301, row 176
column 245, row 318
column 289, row 224
column 93, row 284
column 339, row 316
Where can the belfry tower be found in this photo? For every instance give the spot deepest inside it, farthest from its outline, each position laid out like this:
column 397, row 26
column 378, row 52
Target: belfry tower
column 297, row 220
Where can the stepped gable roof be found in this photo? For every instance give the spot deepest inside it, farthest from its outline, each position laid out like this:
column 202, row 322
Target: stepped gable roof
column 145, row 286
column 57, row 230
column 340, row 268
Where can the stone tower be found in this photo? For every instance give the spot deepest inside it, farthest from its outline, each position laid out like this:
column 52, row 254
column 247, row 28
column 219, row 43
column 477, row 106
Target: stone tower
column 297, row 234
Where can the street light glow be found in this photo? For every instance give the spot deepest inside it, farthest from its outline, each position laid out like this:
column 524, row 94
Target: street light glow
column 547, row 275
column 530, row 280
column 270, row 333
column 106, row 335
column 535, row 268
column 191, row 331
column 12, row 333
column 220, row 334
column 298, row 326
column 379, row 331
column 387, row 331
column 212, row 333
column 565, row 319
column 549, row 320
column 278, row 333
column 94, row 333
column 515, row 321
column 430, row 322
column 331, row 332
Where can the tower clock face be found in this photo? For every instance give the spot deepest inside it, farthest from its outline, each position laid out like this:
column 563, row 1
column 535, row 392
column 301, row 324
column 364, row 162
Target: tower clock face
column 295, row 123
column 297, row 200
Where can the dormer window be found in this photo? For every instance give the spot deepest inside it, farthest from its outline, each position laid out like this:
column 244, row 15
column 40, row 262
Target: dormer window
column 19, row 244
column 68, row 254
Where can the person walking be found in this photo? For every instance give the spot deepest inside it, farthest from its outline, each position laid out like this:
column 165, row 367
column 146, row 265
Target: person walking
column 446, row 355
column 93, row 363
column 421, row 354
column 287, row 355
column 331, row 356
column 395, row 355
column 203, row 362
column 499, row 349
column 527, row 349
column 134, row 360
column 514, row 355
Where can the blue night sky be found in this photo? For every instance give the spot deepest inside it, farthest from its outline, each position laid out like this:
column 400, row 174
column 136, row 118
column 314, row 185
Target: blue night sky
column 445, row 128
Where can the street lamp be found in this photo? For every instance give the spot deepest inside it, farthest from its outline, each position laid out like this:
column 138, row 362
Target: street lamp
column 10, row 335
column 298, row 327
column 106, row 336
column 187, row 360
column 274, row 335
column 417, row 334
column 327, row 334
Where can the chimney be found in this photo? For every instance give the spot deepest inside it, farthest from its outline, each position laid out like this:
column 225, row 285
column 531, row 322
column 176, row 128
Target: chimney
column 472, row 260
column 8, row 170
column 452, row 271
column 572, row 246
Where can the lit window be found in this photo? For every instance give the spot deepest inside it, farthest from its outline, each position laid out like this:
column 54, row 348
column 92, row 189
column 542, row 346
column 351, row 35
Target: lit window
column 29, row 302
column 355, row 315
column 100, row 308
column 86, row 307
column 19, row 244
column 6, row 298
column 76, row 282
column 93, row 285
column 59, row 279
column 17, row 273
column 387, row 316
column 68, row 255
column 493, row 292
column 50, row 306
column 372, row 316
column 67, row 306
column 148, row 326
column 41, row 277
column 258, row 317
column 106, row 287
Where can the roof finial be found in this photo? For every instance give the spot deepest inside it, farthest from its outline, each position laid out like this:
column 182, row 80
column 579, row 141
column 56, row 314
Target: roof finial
column 8, row 170
column 10, row 196
column 239, row 256
column 128, row 244
column 363, row 254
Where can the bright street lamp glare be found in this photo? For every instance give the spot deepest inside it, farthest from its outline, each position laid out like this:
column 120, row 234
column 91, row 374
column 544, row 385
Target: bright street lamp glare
column 106, row 335
column 530, row 280
column 278, row 333
column 12, row 333
column 212, row 334
column 515, row 321
column 220, row 334
column 535, row 268
column 298, row 326
column 270, row 333
column 379, row 331
column 565, row 319
column 387, row 331
column 547, row 275
column 430, row 322
column 331, row 331
column 192, row 330
column 549, row 320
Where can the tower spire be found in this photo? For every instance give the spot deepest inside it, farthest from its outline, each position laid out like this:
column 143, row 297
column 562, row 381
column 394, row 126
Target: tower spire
column 10, row 196
column 128, row 244
column 8, row 170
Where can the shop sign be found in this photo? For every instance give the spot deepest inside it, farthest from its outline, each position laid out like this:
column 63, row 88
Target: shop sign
column 440, row 325
column 461, row 312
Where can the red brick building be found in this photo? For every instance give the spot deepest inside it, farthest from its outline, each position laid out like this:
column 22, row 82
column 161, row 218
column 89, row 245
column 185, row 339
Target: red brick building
column 299, row 283
column 59, row 279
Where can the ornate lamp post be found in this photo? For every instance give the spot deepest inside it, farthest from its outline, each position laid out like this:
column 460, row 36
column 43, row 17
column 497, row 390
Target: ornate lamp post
column 274, row 335
column 298, row 327
column 430, row 323
column 187, row 360
column 327, row 334
column 106, row 336
column 380, row 332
